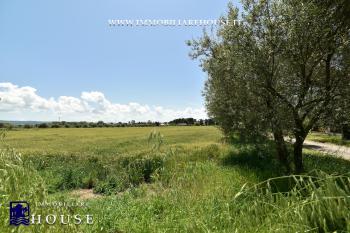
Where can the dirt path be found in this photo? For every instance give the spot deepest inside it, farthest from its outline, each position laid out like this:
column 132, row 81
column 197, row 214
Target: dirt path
column 328, row 148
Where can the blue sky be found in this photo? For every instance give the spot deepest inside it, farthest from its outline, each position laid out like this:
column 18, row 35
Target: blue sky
column 64, row 48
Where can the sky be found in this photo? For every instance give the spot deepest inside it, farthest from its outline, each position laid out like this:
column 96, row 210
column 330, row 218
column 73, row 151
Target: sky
column 62, row 60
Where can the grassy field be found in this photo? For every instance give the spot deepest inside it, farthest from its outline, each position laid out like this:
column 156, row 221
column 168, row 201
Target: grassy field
column 105, row 141
column 181, row 179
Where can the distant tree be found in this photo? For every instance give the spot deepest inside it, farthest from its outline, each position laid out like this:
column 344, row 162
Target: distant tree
column 190, row 121
column 6, row 125
column 209, row 122
column 43, row 125
column 92, row 125
column 187, row 121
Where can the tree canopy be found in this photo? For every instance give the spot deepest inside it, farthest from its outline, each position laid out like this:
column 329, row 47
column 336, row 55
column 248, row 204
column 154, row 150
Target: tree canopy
column 279, row 72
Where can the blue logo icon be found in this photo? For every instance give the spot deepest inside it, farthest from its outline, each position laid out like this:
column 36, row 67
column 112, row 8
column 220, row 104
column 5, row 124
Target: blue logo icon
column 19, row 213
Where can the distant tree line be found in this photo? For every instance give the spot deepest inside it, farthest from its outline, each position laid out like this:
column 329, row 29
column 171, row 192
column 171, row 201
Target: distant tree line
column 191, row 121
column 6, row 125
column 101, row 124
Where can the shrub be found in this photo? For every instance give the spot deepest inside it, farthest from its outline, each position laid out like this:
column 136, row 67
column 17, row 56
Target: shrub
column 128, row 172
column 112, row 185
column 141, row 170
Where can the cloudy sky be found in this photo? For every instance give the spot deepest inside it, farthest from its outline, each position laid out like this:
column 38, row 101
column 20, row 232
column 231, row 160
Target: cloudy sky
column 62, row 59
column 24, row 103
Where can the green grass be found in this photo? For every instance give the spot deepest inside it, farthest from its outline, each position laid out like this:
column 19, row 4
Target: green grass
column 189, row 183
column 105, row 141
column 326, row 138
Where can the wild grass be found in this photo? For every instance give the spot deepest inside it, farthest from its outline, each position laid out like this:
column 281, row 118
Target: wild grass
column 196, row 194
column 323, row 137
column 317, row 202
column 19, row 182
column 196, row 185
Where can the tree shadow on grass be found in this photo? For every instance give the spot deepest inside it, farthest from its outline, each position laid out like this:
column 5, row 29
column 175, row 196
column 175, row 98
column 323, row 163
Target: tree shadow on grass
column 262, row 161
column 257, row 160
column 327, row 163
column 262, row 164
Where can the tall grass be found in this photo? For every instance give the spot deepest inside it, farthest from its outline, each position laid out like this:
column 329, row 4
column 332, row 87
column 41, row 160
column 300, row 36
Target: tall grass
column 196, row 193
column 166, row 188
column 316, row 203
column 20, row 182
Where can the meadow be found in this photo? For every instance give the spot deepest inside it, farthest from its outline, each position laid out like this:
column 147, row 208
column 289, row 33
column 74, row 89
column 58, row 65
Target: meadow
column 105, row 141
column 171, row 179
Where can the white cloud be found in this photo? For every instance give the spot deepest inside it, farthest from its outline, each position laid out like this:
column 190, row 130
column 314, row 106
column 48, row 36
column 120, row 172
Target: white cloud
column 14, row 97
column 18, row 102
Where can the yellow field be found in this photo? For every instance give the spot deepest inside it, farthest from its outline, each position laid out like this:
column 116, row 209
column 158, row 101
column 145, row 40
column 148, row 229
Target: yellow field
column 106, row 140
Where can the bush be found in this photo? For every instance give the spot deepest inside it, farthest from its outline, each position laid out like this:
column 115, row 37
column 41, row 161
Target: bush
column 112, row 185
column 129, row 172
column 141, row 170
column 107, row 175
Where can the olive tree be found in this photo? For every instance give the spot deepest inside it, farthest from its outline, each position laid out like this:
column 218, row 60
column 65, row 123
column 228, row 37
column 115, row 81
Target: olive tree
column 279, row 72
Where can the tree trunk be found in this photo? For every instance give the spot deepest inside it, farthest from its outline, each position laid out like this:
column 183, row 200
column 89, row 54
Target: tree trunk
column 346, row 131
column 298, row 154
column 282, row 151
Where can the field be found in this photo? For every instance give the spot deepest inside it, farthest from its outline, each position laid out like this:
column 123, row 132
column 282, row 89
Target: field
column 170, row 179
column 106, row 141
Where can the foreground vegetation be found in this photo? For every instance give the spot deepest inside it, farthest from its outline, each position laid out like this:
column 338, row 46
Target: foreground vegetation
column 182, row 180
